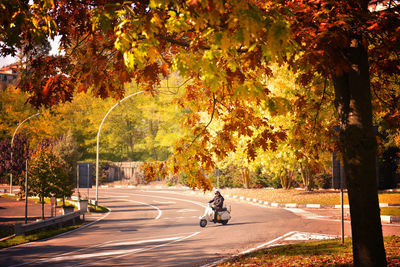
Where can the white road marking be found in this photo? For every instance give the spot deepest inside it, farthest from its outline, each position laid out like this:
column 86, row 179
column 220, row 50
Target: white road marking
column 307, row 214
column 116, row 253
column 302, row 236
column 146, row 249
column 112, row 253
column 187, row 217
column 290, row 236
column 164, row 202
column 312, row 216
column 141, row 241
column 173, row 198
column 93, row 255
column 186, row 210
column 267, row 244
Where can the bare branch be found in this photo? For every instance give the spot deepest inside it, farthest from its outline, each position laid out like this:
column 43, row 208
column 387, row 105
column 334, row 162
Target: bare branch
column 208, row 124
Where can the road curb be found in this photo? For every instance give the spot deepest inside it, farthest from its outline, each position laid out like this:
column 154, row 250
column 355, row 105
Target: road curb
column 384, row 218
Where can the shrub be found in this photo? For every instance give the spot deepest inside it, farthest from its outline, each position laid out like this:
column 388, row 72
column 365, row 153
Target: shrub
column 323, row 180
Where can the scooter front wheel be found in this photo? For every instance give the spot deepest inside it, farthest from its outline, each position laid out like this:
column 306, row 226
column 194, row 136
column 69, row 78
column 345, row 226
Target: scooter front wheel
column 203, row 222
column 224, row 222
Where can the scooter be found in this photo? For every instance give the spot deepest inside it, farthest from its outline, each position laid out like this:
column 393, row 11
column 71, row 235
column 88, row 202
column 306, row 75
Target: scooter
column 223, row 216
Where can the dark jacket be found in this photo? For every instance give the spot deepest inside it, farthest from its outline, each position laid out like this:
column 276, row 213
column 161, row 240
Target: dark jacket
column 218, row 201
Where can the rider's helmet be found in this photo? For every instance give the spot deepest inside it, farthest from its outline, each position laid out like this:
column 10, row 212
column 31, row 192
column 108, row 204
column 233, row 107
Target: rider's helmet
column 217, row 191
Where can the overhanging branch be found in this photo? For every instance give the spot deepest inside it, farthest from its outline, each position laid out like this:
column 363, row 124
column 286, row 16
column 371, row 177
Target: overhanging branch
column 208, row 124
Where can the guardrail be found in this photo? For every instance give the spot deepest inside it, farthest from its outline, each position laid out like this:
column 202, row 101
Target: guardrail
column 59, row 221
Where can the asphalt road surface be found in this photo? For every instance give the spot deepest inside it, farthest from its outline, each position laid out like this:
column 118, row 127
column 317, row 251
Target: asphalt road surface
column 161, row 228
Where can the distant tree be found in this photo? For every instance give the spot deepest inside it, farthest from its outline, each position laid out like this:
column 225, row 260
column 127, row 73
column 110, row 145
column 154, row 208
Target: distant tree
column 66, row 149
column 13, row 110
column 12, row 159
column 46, row 170
column 5, row 156
column 20, row 153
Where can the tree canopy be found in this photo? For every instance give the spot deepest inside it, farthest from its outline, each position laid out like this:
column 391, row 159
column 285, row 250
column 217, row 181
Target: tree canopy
column 225, row 49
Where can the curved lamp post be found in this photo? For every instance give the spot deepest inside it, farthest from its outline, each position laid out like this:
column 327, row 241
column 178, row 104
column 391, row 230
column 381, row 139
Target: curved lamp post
column 98, row 139
column 12, row 142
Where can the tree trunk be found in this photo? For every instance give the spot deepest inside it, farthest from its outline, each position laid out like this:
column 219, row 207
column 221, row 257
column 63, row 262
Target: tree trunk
column 246, row 177
column 42, row 201
column 358, row 146
column 307, row 176
column 286, row 178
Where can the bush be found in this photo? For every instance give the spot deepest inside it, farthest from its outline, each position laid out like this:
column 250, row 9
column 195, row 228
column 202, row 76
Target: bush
column 275, row 182
column 228, row 177
column 173, row 180
column 323, row 181
column 261, row 179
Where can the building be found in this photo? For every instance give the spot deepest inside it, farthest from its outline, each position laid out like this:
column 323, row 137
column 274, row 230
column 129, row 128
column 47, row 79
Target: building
column 129, row 172
column 8, row 75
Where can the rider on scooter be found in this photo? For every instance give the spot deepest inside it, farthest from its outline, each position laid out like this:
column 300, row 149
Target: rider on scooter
column 218, row 203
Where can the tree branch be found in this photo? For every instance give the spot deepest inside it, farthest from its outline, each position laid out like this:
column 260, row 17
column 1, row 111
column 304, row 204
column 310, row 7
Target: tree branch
column 77, row 45
column 379, row 98
column 208, row 124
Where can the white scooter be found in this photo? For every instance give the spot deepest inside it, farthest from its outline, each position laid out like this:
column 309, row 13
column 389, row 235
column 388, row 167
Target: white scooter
column 223, row 216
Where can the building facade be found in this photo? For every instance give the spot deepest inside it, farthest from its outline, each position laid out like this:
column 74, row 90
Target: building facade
column 8, row 75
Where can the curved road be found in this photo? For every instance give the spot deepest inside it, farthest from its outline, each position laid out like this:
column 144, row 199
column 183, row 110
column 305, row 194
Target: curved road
column 161, row 228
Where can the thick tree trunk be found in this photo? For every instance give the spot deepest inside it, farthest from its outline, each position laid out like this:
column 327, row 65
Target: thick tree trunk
column 358, row 145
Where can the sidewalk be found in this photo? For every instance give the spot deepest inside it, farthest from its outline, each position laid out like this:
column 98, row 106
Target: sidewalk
column 12, row 212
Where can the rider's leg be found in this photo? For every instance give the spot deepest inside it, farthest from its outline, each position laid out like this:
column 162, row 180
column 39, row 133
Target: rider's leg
column 216, row 213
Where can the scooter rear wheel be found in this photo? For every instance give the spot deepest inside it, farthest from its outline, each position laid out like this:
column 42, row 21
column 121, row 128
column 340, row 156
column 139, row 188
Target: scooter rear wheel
column 203, row 223
column 224, row 222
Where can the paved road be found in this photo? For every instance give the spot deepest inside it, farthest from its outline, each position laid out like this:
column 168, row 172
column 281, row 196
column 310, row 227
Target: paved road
column 161, row 228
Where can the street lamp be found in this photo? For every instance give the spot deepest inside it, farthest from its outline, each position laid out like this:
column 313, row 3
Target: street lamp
column 98, row 139
column 12, row 142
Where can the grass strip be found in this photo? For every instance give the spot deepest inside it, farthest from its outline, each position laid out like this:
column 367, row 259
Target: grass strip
column 392, row 211
column 315, row 253
column 22, row 239
column 98, row 209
